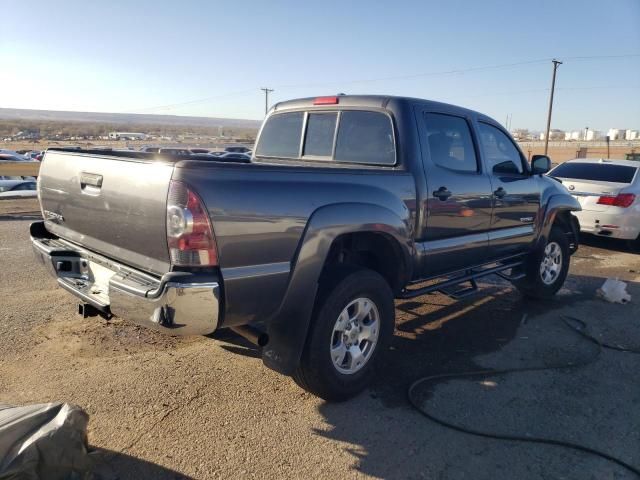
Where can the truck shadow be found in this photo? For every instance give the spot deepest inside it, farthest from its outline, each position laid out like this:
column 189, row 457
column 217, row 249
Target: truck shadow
column 605, row 243
column 111, row 465
column 435, row 335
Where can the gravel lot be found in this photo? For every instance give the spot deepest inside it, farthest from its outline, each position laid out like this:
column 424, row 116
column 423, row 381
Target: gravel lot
column 205, row 407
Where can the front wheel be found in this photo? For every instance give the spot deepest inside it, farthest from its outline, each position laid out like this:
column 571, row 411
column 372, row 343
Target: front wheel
column 634, row 245
column 546, row 269
column 352, row 324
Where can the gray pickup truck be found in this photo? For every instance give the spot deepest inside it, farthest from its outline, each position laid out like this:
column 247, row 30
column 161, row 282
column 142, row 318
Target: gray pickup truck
column 348, row 202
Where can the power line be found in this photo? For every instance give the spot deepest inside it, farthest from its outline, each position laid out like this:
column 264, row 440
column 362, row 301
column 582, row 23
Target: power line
column 418, row 75
column 456, row 71
column 394, row 77
column 598, row 57
column 199, row 100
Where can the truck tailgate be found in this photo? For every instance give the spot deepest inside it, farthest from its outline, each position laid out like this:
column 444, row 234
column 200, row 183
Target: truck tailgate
column 112, row 205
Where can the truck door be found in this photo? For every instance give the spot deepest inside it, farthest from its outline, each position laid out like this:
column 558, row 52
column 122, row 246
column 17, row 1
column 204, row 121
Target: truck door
column 516, row 196
column 458, row 207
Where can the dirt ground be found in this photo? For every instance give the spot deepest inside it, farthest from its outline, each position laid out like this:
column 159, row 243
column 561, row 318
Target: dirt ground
column 203, row 407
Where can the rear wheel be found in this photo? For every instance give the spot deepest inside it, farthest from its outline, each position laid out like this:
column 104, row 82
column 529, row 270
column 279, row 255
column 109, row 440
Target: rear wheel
column 351, row 326
column 634, row 245
column 546, row 269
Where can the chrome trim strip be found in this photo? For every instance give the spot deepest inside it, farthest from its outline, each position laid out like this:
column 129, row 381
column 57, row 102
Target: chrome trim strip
column 511, row 232
column 256, row 270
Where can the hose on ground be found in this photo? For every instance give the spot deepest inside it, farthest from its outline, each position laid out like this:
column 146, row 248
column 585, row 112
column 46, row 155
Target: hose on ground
column 576, row 325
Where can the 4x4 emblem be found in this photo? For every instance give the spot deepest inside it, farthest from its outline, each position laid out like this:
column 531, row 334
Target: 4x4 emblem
column 49, row 215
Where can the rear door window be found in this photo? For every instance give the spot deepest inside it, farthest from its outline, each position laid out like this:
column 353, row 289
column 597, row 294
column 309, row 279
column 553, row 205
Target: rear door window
column 450, row 142
column 365, row 137
column 321, row 129
column 281, row 135
column 602, row 172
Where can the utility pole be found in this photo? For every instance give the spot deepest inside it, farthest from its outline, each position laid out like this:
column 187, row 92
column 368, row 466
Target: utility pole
column 553, row 87
column 266, row 91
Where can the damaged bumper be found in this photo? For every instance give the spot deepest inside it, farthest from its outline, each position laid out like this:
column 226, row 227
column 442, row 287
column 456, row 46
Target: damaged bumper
column 178, row 303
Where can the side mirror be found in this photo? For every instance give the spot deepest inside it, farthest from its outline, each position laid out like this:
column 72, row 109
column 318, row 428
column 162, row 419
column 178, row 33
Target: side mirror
column 540, row 164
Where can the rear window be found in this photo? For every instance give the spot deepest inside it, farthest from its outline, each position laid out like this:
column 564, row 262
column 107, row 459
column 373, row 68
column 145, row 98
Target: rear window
column 281, row 135
column 365, row 137
column 321, row 128
column 362, row 137
column 602, row 172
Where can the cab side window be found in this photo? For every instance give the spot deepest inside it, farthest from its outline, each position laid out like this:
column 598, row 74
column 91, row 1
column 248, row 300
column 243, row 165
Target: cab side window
column 450, row 142
column 499, row 151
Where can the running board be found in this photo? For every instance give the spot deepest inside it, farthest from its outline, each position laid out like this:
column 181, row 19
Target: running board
column 468, row 276
column 462, row 292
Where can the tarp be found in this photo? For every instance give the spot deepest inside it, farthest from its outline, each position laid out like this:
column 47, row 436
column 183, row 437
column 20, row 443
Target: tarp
column 46, row 441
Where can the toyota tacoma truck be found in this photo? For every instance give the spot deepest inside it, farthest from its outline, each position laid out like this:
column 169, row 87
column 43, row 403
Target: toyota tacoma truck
column 348, row 202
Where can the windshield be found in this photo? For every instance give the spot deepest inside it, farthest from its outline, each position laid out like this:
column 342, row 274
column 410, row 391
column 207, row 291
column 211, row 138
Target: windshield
column 603, row 172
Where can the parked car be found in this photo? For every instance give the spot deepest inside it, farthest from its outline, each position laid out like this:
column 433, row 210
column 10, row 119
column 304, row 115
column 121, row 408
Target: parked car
column 150, row 149
column 303, row 250
column 240, row 157
column 33, row 155
column 4, row 151
column 609, row 194
column 12, row 157
column 199, row 150
column 18, row 188
column 168, row 150
column 237, row 149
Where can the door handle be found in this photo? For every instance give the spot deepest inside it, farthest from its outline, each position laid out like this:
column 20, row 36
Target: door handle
column 500, row 192
column 90, row 179
column 442, row 193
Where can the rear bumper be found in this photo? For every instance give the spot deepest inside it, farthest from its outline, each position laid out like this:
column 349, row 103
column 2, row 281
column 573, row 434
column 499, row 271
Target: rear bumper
column 617, row 223
column 178, row 303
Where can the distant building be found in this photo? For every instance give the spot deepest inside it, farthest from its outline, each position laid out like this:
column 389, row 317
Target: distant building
column 616, row 133
column 632, row 135
column 592, row 135
column 554, row 134
column 574, row 135
column 127, row 136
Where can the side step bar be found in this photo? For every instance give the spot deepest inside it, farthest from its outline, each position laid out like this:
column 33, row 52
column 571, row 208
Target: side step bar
column 468, row 276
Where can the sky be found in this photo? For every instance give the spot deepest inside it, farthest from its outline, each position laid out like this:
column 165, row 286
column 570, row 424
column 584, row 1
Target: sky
column 210, row 58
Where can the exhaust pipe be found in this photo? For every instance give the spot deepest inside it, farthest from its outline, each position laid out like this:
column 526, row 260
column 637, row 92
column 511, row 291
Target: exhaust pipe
column 253, row 334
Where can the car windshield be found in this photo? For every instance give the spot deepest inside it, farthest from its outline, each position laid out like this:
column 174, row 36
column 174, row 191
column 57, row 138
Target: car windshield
column 603, row 172
column 6, row 188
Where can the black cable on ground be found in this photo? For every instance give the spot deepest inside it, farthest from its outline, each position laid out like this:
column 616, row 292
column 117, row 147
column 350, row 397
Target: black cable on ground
column 581, row 329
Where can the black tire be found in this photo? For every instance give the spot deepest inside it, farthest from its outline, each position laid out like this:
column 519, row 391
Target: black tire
column 634, row 245
column 317, row 373
column 533, row 285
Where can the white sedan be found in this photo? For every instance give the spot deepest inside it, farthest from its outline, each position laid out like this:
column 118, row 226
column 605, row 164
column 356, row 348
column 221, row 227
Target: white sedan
column 609, row 193
column 18, row 188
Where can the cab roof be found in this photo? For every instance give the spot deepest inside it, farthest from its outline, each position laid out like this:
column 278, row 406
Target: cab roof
column 372, row 101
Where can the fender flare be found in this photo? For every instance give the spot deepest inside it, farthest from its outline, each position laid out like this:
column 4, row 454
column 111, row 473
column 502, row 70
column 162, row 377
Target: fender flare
column 288, row 328
column 555, row 205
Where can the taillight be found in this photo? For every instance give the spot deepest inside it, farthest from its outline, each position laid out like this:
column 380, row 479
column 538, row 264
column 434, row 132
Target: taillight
column 623, row 200
column 189, row 232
